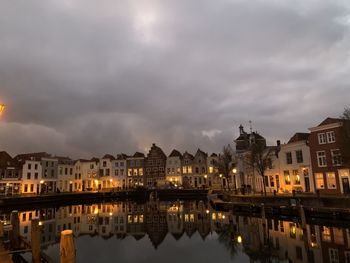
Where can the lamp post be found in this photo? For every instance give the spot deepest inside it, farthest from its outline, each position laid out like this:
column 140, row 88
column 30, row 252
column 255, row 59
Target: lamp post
column 205, row 180
column 234, row 170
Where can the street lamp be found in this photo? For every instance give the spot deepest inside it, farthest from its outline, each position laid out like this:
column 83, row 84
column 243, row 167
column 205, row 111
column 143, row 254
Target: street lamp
column 2, row 108
column 234, row 170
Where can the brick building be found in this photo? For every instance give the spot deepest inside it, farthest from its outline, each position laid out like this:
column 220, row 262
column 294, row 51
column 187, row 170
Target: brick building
column 155, row 167
column 331, row 175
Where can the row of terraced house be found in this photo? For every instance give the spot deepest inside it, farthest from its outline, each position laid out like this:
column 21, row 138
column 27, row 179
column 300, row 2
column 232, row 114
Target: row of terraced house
column 41, row 173
column 308, row 162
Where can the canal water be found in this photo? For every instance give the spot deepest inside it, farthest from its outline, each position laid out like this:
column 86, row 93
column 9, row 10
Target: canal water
column 184, row 231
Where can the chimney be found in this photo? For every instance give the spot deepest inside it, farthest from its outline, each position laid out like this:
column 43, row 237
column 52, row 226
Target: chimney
column 153, row 144
column 278, row 143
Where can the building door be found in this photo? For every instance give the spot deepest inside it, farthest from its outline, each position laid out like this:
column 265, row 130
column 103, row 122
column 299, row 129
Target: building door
column 307, row 184
column 346, row 187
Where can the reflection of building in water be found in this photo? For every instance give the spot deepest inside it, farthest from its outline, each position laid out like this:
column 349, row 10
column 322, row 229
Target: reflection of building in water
column 156, row 222
column 47, row 219
column 261, row 239
column 175, row 220
column 135, row 220
column 335, row 244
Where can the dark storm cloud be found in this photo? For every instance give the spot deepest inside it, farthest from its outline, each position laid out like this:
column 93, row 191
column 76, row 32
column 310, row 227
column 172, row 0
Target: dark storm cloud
column 85, row 78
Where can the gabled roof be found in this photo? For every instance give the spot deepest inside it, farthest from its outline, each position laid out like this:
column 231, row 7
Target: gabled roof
column 121, row 156
column 213, row 155
column 6, row 160
column 200, row 152
column 36, row 156
column 299, row 136
column 188, row 155
column 175, row 153
column 330, row 121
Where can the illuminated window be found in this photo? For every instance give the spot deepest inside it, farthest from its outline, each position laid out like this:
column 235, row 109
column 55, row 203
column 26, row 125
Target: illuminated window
column 296, row 177
column 319, row 180
column 186, row 218
column 211, row 169
column 326, row 234
column 184, row 171
column 331, row 183
column 140, row 172
column 213, row 216
column 286, row 177
column 129, row 172
column 129, row 218
column 141, row 219
column 189, row 169
column 191, row 217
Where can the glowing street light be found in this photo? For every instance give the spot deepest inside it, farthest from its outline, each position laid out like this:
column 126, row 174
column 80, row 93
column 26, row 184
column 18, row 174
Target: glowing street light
column 234, row 170
column 2, row 108
column 41, row 181
column 239, row 239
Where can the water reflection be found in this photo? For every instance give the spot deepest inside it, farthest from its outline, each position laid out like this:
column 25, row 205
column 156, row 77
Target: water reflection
column 257, row 239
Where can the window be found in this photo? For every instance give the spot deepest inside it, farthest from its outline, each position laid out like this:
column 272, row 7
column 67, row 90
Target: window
column 333, row 255
column 28, row 176
column 330, row 137
column 338, row 236
column 36, row 175
column 29, row 166
column 321, row 159
column 319, row 181
column 336, row 157
column 296, row 177
column 36, row 166
column 286, row 177
column 326, row 234
column 289, row 158
column 272, row 181
column 299, row 156
column 140, row 171
column 331, row 183
column 322, row 138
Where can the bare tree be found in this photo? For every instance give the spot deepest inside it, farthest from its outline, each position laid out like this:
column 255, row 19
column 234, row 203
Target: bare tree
column 345, row 136
column 346, row 114
column 260, row 160
column 225, row 164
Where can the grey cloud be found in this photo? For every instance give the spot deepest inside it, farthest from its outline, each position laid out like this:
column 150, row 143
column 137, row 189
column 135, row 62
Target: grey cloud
column 91, row 78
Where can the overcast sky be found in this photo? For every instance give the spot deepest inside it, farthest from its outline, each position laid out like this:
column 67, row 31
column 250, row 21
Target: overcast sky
column 88, row 77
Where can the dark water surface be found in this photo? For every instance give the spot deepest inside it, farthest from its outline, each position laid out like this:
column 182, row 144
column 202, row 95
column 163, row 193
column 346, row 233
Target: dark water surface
column 184, row 231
